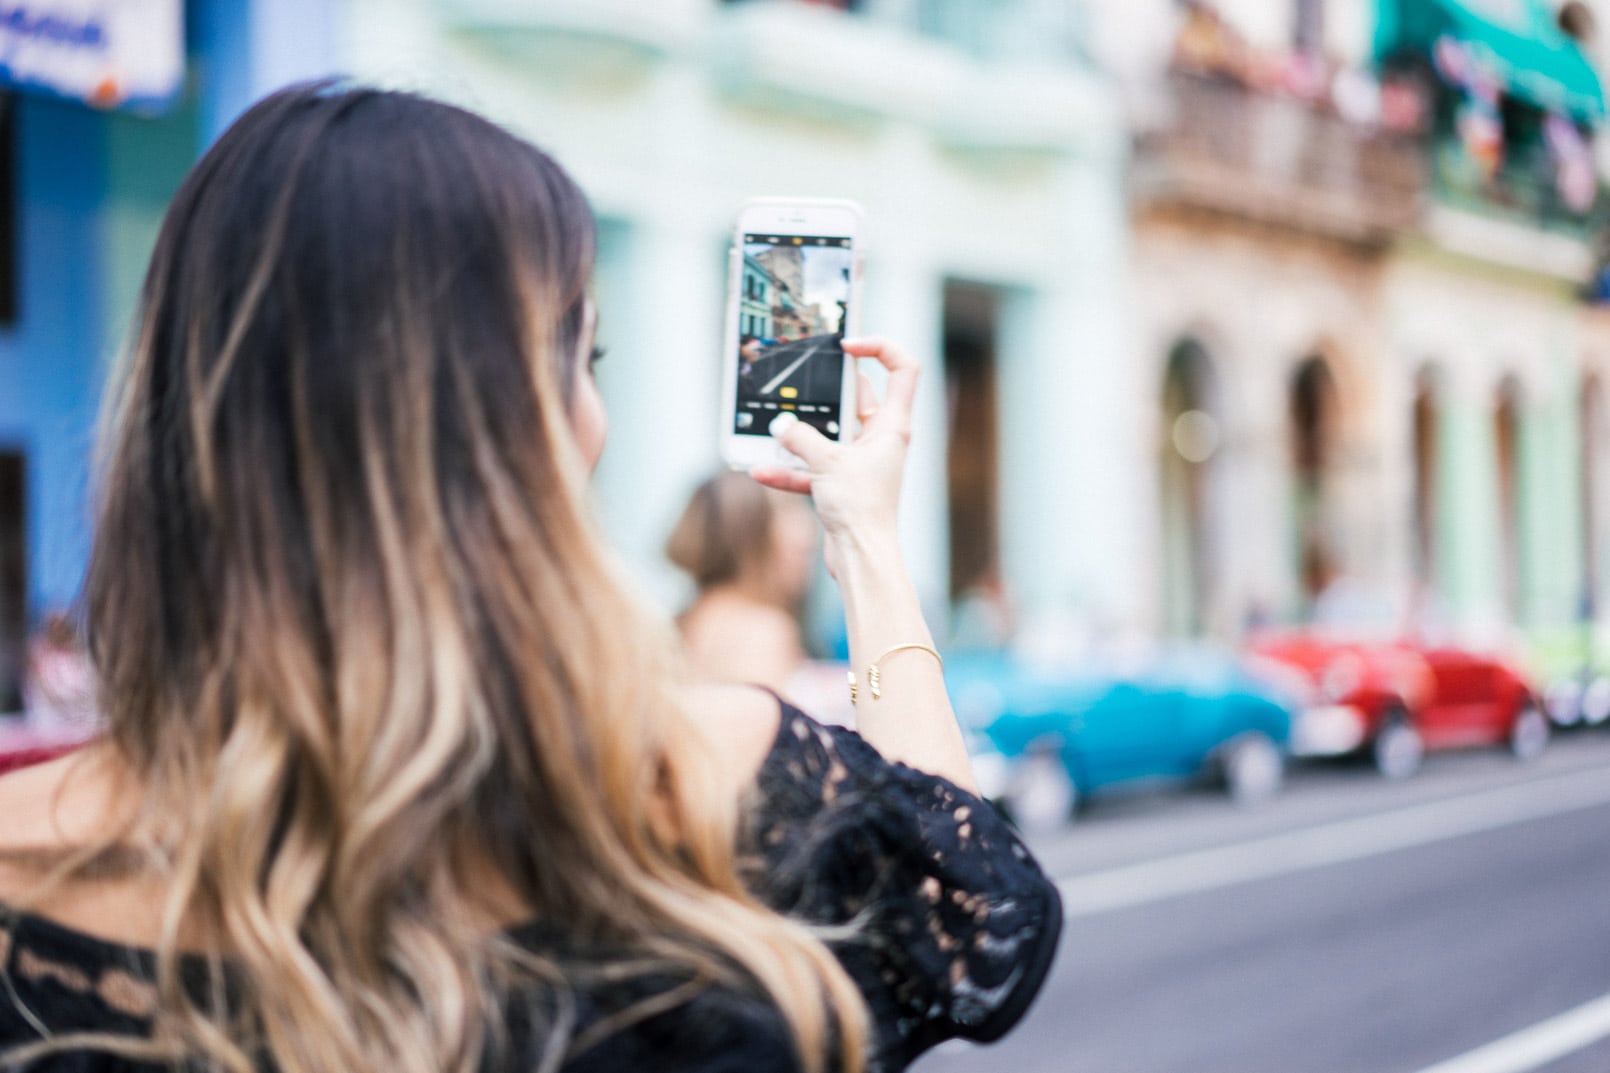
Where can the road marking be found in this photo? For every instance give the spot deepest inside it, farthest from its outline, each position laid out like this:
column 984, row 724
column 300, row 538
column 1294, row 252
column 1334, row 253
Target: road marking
column 786, row 373
column 1332, row 843
column 1537, row 1046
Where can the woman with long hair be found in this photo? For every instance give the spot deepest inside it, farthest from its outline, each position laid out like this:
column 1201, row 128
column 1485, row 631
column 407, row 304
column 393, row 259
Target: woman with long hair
column 398, row 777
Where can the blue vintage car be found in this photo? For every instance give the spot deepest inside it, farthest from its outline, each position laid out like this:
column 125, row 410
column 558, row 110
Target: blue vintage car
column 1044, row 736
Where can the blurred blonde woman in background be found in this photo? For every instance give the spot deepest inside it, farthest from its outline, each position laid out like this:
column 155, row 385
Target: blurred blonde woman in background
column 750, row 551
column 398, row 777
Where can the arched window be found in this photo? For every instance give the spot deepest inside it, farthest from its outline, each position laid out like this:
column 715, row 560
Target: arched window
column 1190, row 440
column 1314, row 411
column 1424, row 437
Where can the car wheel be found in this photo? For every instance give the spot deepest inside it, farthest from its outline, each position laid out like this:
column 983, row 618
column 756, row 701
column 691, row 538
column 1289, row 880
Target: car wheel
column 1529, row 733
column 1565, row 702
column 1253, row 768
column 1042, row 796
column 1596, row 702
column 1398, row 749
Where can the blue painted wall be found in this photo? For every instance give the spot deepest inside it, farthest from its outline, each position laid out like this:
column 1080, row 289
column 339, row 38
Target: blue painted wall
column 49, row 359
column 90, row 189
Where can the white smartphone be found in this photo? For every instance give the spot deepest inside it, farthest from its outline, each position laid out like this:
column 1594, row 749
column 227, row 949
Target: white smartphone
column 793, row 294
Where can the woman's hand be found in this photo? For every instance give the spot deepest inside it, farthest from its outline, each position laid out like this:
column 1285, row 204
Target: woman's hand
column 855, row 485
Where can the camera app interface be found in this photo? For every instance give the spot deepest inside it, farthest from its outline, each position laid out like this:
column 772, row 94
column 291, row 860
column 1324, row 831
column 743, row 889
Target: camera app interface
column 793, row 298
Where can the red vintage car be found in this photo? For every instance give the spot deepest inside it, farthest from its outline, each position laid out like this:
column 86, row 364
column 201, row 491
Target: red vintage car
column 1394, row 701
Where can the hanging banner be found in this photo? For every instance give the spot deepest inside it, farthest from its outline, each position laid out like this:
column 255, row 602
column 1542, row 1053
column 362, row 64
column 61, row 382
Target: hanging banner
column 107, row 53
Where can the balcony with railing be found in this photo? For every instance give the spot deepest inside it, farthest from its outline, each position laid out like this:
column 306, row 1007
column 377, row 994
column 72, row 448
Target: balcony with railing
column 1526, row 194
column 1257, row 155
column 1514, row 103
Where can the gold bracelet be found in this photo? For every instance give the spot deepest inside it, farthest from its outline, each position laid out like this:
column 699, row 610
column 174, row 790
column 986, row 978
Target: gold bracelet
column 874, row 674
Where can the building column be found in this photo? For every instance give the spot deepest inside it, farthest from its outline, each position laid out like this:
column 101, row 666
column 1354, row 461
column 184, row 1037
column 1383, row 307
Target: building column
column 1469, row 546
column 1254, row 524
column 1550, row 473
column 903, row 302
column 1075, row 411
column 661, row 302
column 1389, row 425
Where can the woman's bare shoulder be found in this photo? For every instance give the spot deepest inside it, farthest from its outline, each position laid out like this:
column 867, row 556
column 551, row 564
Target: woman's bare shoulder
column 742, row 721
column 54, row 804
column 740, row 640
column 53, row 808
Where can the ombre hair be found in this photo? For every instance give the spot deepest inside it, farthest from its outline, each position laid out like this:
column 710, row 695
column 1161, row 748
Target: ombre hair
column 363, row 655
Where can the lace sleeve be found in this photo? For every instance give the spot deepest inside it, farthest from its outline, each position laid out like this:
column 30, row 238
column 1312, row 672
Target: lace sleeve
column 951, row 922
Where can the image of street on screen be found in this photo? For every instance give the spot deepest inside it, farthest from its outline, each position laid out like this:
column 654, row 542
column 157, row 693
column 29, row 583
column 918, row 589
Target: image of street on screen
column 793, row 301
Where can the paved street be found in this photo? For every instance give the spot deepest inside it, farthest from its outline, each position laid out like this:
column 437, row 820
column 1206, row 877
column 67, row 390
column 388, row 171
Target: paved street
column 812, row 366
column 1352, row 926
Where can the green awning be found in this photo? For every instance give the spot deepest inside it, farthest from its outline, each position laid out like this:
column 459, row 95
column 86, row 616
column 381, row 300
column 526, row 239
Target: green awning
column 1516, row 40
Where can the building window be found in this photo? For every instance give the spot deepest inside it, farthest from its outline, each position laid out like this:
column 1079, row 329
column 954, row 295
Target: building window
column 971, row 318
column 1314, row 423
column 1426, row 437
column 1190, row 441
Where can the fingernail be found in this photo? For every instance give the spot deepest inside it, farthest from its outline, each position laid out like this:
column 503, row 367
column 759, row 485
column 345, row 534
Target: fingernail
column 781, row 424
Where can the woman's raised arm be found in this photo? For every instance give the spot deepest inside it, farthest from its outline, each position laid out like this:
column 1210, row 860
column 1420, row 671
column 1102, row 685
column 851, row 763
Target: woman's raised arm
column 856, row 488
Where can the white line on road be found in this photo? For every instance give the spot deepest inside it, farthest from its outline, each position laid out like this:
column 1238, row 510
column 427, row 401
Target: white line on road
column 1332, row 843
column 1534, row 1047
column 786, row 373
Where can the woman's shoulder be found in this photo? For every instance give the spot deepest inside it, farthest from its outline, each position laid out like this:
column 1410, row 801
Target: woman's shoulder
column 59, row 806
column 742, row 722
column 51, row 805
column 732, row 638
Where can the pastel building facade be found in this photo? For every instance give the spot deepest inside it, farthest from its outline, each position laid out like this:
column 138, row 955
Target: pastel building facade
column 989, row 159
column 1365, row 235
column 1219, row 323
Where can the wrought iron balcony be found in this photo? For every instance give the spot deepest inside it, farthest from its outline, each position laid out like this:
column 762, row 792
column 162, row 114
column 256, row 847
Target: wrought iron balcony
column 1279, row 160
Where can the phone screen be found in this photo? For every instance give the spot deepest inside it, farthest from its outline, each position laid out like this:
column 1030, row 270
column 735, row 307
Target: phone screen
column 793, row 304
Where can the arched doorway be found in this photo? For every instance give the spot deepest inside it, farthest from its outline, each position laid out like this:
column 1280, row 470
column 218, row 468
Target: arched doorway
column 1190, row 440
column 1315, row 415
column 971, row 340
column 1427, row 428
column 1507, row 446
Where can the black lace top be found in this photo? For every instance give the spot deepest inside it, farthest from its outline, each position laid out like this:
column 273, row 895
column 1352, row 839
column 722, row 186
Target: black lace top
column 948, row 929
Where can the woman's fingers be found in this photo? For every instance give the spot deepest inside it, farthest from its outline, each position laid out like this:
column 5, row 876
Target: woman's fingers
column 784, row 480
column 866, row 398
column 896, row 409
column 815, row 449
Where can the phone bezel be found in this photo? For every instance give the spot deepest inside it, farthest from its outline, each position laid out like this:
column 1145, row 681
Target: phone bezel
column 834, row 217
